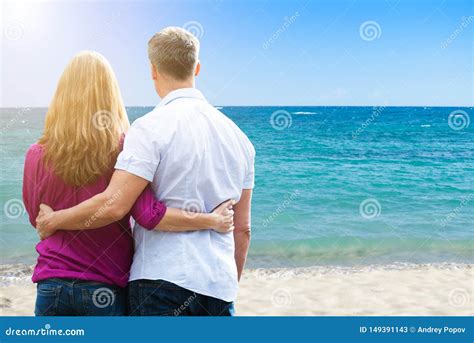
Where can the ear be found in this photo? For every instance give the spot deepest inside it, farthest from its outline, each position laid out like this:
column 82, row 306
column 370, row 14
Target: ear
column 198, row 69
column 154, row 72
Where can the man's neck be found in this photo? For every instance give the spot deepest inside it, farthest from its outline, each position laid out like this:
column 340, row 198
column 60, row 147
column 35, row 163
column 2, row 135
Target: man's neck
column 172, row 87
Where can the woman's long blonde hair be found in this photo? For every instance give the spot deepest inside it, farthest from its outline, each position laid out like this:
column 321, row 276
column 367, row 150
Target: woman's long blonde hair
column 85, row 121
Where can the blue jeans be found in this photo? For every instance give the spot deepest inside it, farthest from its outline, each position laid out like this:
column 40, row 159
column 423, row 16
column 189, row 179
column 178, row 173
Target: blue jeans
column 68, row 297
column 163, row 298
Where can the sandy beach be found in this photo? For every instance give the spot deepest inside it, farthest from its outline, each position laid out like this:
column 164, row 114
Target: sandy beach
column 441, row 289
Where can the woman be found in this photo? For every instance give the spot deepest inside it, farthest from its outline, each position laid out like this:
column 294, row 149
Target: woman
column 85, row 272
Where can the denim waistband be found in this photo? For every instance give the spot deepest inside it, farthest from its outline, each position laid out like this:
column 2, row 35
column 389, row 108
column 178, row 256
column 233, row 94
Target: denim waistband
column 77, row 282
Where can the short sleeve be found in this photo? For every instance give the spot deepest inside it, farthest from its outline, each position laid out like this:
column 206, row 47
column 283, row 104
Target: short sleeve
column 140, row 155
column 249, row 180
column 32, row 187
column 147, row 210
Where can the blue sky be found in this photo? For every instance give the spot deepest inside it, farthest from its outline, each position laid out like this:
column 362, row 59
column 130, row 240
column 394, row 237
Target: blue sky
column 254, row 52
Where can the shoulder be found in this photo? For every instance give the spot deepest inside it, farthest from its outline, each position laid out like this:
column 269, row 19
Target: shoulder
column 151, row 121
column 146, row 133
column 241, row 136
column 35, row 150
column 34, row 157
column 143, row 127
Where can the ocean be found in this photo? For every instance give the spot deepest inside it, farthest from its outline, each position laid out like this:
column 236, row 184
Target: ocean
column 342, row 186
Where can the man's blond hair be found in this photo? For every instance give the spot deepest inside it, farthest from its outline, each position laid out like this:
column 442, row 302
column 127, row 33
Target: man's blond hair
column 174, row 52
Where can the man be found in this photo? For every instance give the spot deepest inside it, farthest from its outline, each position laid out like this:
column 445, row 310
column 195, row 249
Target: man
column 187, row 149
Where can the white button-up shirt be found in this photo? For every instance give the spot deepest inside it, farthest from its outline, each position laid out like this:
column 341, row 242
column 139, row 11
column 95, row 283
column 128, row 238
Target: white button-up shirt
column 196, row 158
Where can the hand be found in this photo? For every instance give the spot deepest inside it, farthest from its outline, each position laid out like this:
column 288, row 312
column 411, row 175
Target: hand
column 45, row 222
column 224, row 216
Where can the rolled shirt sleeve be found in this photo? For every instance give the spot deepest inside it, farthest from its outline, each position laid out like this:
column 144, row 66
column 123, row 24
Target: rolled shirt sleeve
column 140, row 155
column 147, row 210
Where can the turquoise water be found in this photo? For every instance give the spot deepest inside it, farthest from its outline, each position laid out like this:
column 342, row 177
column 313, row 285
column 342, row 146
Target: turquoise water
column 410, row 167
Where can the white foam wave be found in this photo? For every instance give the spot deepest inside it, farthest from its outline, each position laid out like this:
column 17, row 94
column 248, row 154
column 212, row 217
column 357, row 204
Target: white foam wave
column 305, row 113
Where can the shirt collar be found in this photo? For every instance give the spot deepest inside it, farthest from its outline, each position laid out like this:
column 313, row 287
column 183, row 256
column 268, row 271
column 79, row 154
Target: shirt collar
column 182, row 93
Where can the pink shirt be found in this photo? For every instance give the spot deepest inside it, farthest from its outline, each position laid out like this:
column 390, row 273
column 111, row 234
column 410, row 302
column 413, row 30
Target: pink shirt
column 104, row 254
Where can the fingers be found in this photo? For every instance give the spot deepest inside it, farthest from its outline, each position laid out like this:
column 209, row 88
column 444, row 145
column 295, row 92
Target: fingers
column 229, row 216
column 228, row 213
column 227, row 204
column 40, row 220
column 45, row 208
column 40, row 233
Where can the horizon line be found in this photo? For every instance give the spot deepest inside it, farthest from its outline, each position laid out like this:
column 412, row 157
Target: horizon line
column 430, row 106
